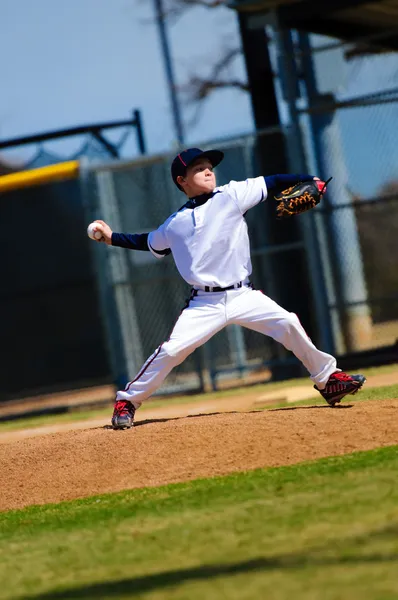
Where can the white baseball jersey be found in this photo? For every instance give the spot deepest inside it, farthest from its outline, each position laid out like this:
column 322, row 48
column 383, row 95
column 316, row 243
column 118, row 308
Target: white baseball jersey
column 210, row 242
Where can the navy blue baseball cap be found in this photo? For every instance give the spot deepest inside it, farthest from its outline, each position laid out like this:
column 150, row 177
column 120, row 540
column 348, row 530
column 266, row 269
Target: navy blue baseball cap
column 186, row 157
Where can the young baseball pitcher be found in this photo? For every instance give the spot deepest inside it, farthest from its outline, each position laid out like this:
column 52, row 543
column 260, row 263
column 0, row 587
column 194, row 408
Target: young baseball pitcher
column 208, row 238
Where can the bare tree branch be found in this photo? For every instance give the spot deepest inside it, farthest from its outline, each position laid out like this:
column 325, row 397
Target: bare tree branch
column 179, row 6
column 197, row 88
column 189, row 3
column 174, row 9
column 204, row 90
column 365, row 50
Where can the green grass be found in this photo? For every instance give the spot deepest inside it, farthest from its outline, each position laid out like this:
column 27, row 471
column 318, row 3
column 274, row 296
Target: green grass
column 45, row 420
column 324, row 530
column 387, row 392
column 83, row 415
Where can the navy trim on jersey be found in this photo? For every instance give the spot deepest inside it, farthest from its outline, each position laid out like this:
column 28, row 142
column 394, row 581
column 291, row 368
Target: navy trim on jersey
column 136, row 241
column 139, row 241
column 199, row 200
column 133, row 241
column 277, row 183
column 274, row 183
column 164, row 252
column 150, row 360
column 144, row 368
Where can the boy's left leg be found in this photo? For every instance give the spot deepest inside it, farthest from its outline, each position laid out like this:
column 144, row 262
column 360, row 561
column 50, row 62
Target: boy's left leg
column 203, row 317
column 254, row 310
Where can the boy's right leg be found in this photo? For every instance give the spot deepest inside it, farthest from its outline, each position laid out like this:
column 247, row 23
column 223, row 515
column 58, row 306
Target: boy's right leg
column 254, row 310
column 198, row 322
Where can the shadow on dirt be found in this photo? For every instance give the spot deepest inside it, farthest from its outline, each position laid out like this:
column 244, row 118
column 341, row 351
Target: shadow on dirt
column 232, row 412
column 166, row 419
column 338, row 407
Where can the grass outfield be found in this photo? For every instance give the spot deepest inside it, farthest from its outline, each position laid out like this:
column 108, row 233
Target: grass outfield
column 321, row 530
column 387, row 392
column 381, row 393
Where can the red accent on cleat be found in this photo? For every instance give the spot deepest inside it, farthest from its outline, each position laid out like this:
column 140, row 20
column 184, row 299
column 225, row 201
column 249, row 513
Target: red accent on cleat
column 341, row 384
column 123, row 415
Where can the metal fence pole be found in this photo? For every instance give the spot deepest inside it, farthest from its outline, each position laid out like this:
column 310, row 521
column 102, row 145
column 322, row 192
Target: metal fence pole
column 108, row 309
column 140, row 131
column 298, row 163
column 126, row 341
column 341, row 227
column 168, row 62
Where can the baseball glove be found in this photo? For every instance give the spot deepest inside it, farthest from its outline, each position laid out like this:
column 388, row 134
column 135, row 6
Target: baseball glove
column 300, row 198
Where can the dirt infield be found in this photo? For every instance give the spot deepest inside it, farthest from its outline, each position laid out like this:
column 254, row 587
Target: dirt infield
column 94, row 459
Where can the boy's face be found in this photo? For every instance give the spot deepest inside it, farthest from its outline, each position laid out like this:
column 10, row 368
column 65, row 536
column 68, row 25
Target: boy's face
column 199, row 178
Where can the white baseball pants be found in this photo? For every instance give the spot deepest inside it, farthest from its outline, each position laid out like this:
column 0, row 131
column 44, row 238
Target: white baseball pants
column 209, row 312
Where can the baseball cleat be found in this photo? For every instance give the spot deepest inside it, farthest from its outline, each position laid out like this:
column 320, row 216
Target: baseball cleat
column 341, row 384
column 123, row 415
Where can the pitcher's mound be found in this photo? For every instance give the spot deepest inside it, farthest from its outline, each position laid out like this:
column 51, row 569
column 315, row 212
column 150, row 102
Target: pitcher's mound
column 79, row 463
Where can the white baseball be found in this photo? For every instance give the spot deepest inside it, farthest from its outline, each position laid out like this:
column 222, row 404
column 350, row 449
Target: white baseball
column 94, row 231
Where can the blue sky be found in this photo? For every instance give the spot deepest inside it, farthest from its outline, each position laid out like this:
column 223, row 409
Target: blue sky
column 69, row 63
column 82, row 61
column 370, row 133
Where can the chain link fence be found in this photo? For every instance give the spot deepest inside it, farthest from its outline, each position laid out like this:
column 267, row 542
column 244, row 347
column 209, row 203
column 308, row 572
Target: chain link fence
column 137, row 197
column 351, row 115
column 81, row 311
column 362, row 300
column 377, row 223
column 50, row 319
